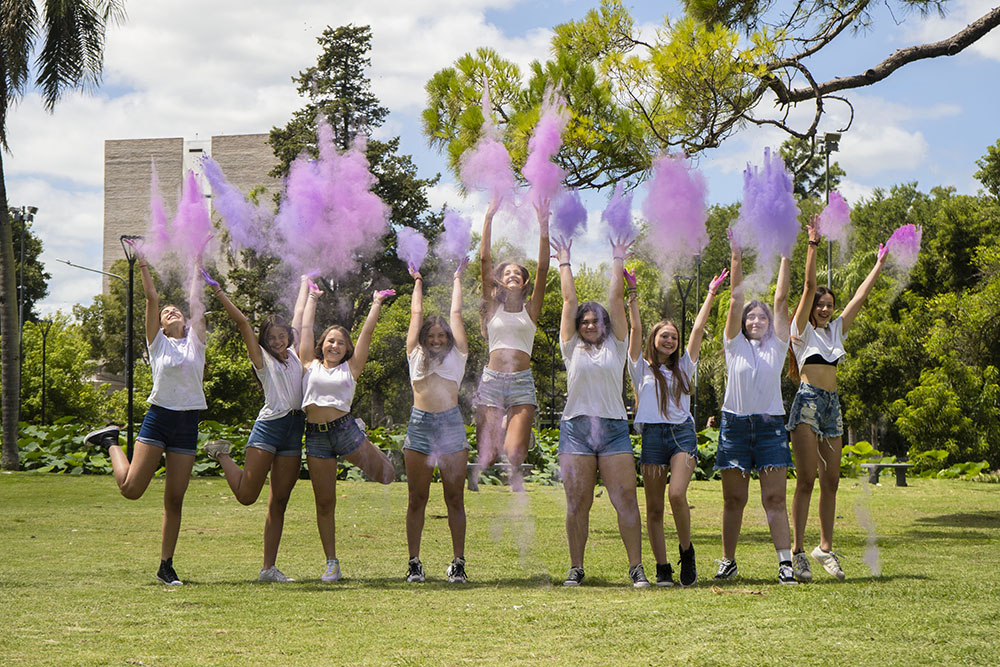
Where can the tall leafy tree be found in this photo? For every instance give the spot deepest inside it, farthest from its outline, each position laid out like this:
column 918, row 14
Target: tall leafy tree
column 808, row 168
column 71, row 56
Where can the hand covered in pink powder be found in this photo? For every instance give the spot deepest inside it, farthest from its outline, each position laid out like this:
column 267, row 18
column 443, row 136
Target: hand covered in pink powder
column 734, row 245
column 813, row 230
column 620, row 247
column 713, row 286
column 413, row 272
column 630, row 278
column 314, row 289
column 461, row 268
column 382, row 294
column 561, row 247
column 883, row 251
column 208, row 278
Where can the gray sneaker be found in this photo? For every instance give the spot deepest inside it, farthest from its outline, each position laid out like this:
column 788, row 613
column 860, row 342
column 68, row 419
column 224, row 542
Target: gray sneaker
column 273, row 574
column 829, row 561
column 215, row 448
column 332, row 571
column 638, row 576
column 415, row 571
column 800, row 567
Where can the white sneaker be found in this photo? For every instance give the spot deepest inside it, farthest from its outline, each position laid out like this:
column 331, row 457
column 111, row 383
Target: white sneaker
column 800, row 566
column 215, row 448
column 829, row 561
column 273, row 574
column 332, row 571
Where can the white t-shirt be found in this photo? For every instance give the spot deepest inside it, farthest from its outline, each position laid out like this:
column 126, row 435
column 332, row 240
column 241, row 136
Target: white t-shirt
column 328, row 387
column 647, row 409
column 451, row 367
column 282, row 383
column 827, row 342
column 594, row 378
column 178, row 366
column 753, row 375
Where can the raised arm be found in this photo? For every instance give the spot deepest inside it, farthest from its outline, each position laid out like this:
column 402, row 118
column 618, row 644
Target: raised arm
column 486, row 258
column 152, row 302
column 567, row 323
column 300, row 306
column 307, row 342
column 734, row 317
column 196, row 325
column 241, row 321
column 534, row 306
column 854, row 306
column 635, row 320
column 698, row 329
column 781, row 299
column 616, row 299
column 455, row 316
column 416, row 311
column 809, row 286
column 363, row 346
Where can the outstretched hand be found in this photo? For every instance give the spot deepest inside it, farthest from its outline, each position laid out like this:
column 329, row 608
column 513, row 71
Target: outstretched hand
column 208, row 278
column 813, row 230
column 620, row 247
column 630, row 278
column 883, row 250
column 734, row 245
column 461, row 267
column 413, row 272
column 717, row 281
column 561, row 247
column 314, row 289
column 382, row 294
column 494, row 206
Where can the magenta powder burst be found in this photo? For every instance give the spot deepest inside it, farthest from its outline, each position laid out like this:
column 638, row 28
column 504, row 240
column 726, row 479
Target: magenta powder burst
column 769, row 215
column 675, row 207
column 192, row 227
column 544, row 176
column 411, row 247
column 835, row 220
column 487, row 166
column 618, row 214
column 569, row 216
column 457, row 236
column 157, row 240
column 904, row 246
column 248, row 223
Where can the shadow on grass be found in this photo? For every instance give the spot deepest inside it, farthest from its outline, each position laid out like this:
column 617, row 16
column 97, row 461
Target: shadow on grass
column 980, row 519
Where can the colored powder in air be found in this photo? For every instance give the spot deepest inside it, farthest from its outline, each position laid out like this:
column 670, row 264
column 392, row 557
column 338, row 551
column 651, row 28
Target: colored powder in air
column 675, row 208
column 456, row 238
column 904, row 246
column 487, row 166
column 569, row 216
column 411, row 247
column 248, row 223
column 157, row 241
column 192, row 228
column 618, row 214
column 835, row 220
column 768, row 220
column 544, row 176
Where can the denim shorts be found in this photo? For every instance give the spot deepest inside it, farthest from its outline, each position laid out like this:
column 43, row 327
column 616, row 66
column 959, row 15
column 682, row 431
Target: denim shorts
column 505, row 390
column 436, row 433
column 281, row 436
column 172, row 430
column 340, row 437
column 819, row 408
column 752, row 442
column 594, row 436
column 661, row 441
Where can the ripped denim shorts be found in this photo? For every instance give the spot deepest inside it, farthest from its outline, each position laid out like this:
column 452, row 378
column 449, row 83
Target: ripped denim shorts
column 819, row 408
column 752, row 442
column 661, row 441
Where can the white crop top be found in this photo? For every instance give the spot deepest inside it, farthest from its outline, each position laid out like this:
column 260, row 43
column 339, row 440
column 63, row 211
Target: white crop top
column 511, row 331
column 178, row 366
column 594, row 378
column 451, row 367
column 282, row 383
column 827, row 342
column 328, row 387
column 753, row 375
column 647, row 409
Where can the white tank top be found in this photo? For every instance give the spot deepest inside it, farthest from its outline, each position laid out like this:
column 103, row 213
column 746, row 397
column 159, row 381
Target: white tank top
column 827, row 342
column 328, row 387
column 451, row 367
column 511, row 331
column 282, row 384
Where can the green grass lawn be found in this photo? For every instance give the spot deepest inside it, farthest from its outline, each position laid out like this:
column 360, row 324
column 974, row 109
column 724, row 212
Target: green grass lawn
column 77, row 564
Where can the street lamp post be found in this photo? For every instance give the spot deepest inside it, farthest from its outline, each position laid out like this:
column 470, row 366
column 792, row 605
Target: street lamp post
column 831, row 143
column 24, row 215
column 130, row 254
column 46, row 325
column 684, row 284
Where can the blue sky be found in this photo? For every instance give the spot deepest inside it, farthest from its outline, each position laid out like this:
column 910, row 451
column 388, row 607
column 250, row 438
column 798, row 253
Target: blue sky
column 191, row 69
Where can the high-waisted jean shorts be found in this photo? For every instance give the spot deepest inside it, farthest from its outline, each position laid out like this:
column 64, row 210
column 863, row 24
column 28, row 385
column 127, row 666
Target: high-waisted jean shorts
column 436, row 433
column 594, row 436
column 172, row 430
column 340, row 437
column 752, row 442
column 505, row 390
column 661, row 441
column 819, row 408
column 281, row 436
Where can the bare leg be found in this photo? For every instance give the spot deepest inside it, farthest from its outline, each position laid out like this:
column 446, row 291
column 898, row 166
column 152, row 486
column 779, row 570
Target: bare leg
column 520, row 419
column 681, row 469
column 804, row 446
column 323, row 475
column 489, row 435
column 618, row 473
column 735, row 490
column 829, row 481
column 373, row 462
column 418, row 481
column 284, row 474
column 579, row 478
column 452, row 467
column 178, row 475
column 773, row 491
column 654, row 481
column 246, row 483
column 133, row 478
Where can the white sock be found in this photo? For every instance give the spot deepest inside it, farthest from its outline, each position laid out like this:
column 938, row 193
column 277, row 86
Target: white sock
column 784, row 555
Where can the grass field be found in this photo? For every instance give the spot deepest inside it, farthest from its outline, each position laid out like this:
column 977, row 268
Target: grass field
column 77, row 563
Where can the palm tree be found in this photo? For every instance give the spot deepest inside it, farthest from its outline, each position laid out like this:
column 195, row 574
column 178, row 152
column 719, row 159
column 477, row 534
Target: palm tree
column 71, row 56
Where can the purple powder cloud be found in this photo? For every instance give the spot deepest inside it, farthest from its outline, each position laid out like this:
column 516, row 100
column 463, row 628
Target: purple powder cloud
column 675, row 207
column 544, row 176
column 247, row 223
column 835, row 220
column 904, row 246
column 569, row 216
column 618, row 214
column 454, row 242
column 411, row 247
column 768, row 218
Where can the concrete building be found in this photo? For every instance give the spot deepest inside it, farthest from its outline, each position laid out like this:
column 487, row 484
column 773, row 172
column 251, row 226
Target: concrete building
column 245, row 159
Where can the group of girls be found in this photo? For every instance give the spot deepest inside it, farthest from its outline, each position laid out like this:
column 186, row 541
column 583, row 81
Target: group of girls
column 311, row 390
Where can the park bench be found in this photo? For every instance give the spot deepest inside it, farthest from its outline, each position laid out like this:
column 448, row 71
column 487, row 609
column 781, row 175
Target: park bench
column 875, row 468
column 503, row 469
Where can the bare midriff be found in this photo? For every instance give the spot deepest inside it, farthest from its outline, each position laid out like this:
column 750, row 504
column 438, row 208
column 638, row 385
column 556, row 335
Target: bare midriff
column 435, row 394
column 509, row 361
column 819, row 375
column 321, row 414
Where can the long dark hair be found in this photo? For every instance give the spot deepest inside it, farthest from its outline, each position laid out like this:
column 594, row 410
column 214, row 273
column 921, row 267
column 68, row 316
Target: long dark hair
column 793, row 364
column 603, row 319
column 681, row 383
column 425, row 330
column 767, row 311
column 318, row 350
column 270, row 322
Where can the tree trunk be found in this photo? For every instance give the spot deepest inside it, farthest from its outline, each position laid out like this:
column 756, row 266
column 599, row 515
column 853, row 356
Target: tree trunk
column 10, row 373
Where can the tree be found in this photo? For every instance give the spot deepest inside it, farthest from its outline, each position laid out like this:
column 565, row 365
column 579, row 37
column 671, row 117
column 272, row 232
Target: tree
column 706, row 75
column 808, row 168
column 989, row 170
column 70, row 57
column 36, row 278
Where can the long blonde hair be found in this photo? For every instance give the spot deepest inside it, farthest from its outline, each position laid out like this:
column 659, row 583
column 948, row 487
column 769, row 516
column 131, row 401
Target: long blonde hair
column 681, row 384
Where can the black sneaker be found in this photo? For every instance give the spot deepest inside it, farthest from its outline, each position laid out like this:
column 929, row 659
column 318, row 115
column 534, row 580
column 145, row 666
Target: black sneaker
column 574, row 577
column 689, row 572
column 727, row 569
column 638, row 576
column 786, row 575
column 664, row 574
column 166, row 573
column 102, row 437
column 416, row 571
column 456, row 571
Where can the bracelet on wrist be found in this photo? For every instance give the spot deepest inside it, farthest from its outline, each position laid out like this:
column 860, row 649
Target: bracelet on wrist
column 562, row 264
column 813, row 242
